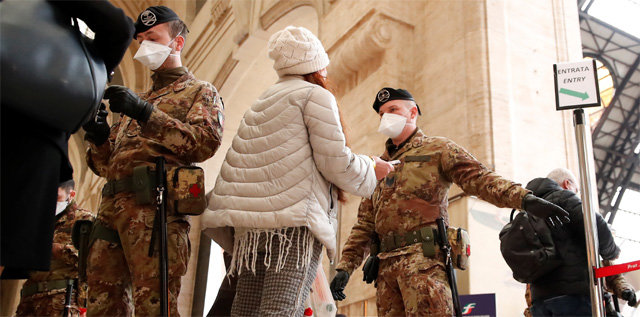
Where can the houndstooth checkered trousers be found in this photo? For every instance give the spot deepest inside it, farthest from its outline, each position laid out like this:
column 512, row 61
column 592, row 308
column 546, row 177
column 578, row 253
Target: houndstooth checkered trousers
column 281, row 293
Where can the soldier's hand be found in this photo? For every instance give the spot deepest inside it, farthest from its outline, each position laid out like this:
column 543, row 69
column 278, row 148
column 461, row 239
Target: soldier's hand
column 630, row 296
column 122, row 99
column 545, row 210
column 370, row 269
column 338, row 284
column 97, row 131
column 382, row 167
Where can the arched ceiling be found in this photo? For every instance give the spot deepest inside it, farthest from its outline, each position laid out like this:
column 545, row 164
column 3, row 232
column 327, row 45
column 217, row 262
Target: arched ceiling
column 616, row 137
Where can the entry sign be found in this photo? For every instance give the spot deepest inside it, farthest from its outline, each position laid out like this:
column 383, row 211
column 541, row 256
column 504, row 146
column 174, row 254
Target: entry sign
column 576, row 85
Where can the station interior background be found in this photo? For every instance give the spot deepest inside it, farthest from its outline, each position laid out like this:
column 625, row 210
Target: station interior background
column 481, row 71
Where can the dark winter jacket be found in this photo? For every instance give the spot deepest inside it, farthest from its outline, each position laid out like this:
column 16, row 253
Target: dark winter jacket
column 572, row 276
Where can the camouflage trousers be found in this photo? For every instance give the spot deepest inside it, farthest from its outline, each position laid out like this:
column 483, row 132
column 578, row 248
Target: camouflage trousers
column 412, row 285
column 45, row 304
column 119, row 274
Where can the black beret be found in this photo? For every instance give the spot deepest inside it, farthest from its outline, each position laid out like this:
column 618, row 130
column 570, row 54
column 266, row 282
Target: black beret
column 386, row 94
column 153, row 16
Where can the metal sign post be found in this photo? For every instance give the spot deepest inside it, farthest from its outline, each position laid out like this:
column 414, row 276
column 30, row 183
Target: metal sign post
column 577, row 87
column 589, row 205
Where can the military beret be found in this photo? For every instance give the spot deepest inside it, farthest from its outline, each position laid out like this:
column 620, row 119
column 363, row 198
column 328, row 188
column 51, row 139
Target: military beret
column 153, row 16
column 386, row 94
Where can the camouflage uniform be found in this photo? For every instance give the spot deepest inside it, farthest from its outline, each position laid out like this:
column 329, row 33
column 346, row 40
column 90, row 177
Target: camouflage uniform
column 64, row 266
column 185, row 127
column 411, row 197
column 527, row 297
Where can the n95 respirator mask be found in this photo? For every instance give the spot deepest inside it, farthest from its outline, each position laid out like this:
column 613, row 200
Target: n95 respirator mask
column 392, row 125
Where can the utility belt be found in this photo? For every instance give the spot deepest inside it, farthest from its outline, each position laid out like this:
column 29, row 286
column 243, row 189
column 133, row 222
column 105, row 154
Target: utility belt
column 428, row 236
column 46, row 286
column 186, row 196
column 185, row 188
column 86, row 232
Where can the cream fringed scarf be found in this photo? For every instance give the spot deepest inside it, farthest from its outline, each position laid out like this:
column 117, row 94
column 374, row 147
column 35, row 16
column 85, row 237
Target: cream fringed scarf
column 247, row 245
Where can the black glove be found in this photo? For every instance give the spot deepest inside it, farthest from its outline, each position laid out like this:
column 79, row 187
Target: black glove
column 97, row 131
column 122, row 99
column 338, row 284
column 630, row 296
column 370, row 269
column 545, row 210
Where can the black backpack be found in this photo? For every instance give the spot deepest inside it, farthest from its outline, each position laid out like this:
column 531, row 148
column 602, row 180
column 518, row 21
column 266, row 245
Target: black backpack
column 527, row 246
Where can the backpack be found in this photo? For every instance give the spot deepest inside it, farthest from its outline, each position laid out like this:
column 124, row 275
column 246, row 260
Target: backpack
column 526, row 244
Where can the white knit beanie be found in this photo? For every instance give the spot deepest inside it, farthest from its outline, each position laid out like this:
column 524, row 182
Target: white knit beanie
column 296, row 51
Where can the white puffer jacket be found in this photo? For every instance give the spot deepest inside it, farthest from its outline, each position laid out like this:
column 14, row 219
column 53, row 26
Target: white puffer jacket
column 280, row 168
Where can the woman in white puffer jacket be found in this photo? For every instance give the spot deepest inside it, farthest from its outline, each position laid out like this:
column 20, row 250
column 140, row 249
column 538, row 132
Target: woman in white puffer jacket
column 279, row 184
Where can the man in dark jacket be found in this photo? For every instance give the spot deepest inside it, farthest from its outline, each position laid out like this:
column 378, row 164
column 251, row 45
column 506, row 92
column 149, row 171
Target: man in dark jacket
column 565, row 291
column 34, row 155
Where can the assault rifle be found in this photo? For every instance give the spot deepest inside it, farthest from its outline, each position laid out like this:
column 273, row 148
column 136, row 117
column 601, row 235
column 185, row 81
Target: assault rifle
column 160, row 227
column 445, row 247
column 67, row 299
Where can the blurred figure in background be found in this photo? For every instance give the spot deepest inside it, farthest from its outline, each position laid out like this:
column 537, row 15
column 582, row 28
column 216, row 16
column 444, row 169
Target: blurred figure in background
column 44, row 293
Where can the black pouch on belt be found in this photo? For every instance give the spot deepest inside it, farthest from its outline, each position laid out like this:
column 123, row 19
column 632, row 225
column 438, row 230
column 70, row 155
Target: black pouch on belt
column 143, row 185
column 428, row 242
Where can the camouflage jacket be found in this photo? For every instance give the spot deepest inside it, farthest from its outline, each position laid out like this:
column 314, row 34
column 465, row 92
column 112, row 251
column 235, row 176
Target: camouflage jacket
column 415, row 194
column 64, row 264
column 185, row 127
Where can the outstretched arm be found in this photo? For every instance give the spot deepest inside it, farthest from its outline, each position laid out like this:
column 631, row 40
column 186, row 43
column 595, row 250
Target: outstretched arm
column 476, row 179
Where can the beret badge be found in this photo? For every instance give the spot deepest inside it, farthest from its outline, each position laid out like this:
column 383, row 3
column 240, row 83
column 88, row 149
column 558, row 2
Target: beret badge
column 148, row 18
column 383, row 95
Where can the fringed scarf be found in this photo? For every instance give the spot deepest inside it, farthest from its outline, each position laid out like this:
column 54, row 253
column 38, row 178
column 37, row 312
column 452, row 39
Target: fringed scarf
column 248, row 243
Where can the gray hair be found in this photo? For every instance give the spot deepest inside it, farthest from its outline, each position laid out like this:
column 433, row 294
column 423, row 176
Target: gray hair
column 558, row 175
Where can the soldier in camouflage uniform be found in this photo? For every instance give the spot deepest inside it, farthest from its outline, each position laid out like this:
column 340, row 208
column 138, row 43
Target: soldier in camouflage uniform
column 181, row 119
column 43, row 294
column 412, row 197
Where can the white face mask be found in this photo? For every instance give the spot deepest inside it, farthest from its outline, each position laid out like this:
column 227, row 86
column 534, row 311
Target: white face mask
column 61, row 206
column 153, row 54
column 392, row 125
